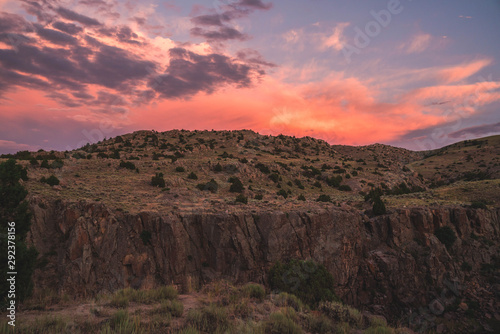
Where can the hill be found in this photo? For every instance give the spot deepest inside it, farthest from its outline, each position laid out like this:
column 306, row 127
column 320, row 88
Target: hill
column 273, row 171
column 145, row 210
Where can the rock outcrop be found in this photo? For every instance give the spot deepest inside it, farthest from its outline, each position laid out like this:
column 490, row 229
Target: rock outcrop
column 386, row 264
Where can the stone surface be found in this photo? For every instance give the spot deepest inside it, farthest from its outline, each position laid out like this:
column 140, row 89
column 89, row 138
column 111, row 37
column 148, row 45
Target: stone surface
column 385, row 264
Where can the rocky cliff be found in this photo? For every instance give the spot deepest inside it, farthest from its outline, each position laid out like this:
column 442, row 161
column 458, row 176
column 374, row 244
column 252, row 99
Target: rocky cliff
column 388, row 264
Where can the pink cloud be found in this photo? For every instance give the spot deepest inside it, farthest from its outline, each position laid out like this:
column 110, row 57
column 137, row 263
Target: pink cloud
column 462, row 71
column 12, row 146
column 419, row 43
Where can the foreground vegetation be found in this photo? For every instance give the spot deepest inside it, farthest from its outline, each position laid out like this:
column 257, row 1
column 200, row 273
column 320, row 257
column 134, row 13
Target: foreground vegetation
column 219, row 307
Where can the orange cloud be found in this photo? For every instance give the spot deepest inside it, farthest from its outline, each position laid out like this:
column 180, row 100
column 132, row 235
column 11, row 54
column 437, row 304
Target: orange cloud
column 462, row 71
column 338, row 109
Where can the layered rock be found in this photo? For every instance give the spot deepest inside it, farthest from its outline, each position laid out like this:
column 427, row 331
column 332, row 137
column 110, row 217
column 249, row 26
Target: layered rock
column 386, row 264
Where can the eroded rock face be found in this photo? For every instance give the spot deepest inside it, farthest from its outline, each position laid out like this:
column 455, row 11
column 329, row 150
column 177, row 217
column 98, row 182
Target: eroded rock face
column 385, row 263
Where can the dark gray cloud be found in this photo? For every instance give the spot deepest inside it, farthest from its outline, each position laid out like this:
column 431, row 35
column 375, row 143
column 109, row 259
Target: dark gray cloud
column 73, row 16
column 56, row 37
column 139, row 20
column 14, row 23
column 116, row 68
column 9, row 78
column 222, row 34
column 68, row 28
column 212, row 19
column 190, row 73
column 64, row 99
column 106, row 98
column 479, row 130
column 40, row 9
column 253, row 57
column 102, row 7
column 121, row 33
column 82, row 95
column 15, row 39
column 73, row 68
column 78, row 59
column 258, row 4
column 222, row 20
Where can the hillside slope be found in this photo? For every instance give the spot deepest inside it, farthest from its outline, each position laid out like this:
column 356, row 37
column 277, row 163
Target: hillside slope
column 188, row 208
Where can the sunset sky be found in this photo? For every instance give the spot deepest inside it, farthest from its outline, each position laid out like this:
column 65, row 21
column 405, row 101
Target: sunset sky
column 416, row 74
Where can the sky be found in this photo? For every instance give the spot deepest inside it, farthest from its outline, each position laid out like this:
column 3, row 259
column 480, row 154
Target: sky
column 414, row 74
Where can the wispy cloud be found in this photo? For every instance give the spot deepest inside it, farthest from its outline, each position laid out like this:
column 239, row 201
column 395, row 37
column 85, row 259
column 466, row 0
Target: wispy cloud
column 478, row 131
column 419, row 43
column 463, row 71
column 336, row 39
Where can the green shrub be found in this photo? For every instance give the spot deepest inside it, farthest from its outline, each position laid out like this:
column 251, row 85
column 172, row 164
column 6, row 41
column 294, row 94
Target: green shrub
column 121, row 323
column 14, row 208
column 288, row 300
column 301, row 197
column 263, row 168
column 211, row 186
column 121, row 298
column 34, row 162
column 446, row 235
column 274, row 177
column 173, row 307
column 48, row 324
column 119, row 301
column 236, row 185
column 324, row 198
column 299, row 184
column 58, row 163
column 334, row 181
column 319, row 324
column 218, row 168
column 165, row 292
column 115, row 155
column 241, row 199
column 158, row 180
column 341, row 313
column 280, row 323
column 102, row 155
column 283, row 193
column 51, row 180
column 259, row 197
column 118, row 318
column 309, row 281
column 45, row 164
column 379, row 207
column 193, row 176
column 189, row 330
column 345, row 187
column 127, row 165
column 379, row 330
column 209, row 319
column 253, row 290
column 180, row 169
column 478, row 205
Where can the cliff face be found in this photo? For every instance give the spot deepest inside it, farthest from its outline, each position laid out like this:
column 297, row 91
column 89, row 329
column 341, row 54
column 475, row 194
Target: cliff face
column 384, row 263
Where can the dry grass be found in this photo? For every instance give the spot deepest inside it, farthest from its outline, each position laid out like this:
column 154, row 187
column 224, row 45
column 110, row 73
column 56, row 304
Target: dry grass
column 165, row 313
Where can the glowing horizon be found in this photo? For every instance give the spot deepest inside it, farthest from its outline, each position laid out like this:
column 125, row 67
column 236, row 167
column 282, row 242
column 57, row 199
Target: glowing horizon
column 394, row 72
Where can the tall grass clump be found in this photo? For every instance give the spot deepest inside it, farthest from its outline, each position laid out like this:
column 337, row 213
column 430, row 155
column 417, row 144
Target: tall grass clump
column 209, row 319
column 280, row 323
